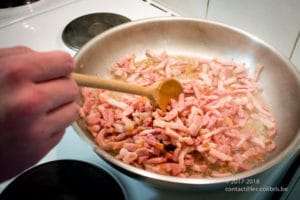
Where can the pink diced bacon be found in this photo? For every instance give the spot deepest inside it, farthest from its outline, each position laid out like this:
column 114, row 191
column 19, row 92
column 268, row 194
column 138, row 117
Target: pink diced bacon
column 217, row 127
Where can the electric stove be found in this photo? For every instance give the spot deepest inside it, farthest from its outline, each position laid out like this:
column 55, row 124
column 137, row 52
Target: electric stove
column 53, row 24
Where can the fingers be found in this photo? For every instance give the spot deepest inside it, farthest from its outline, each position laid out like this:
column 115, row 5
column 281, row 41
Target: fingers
column 56, row 93
column 50, row 65
column 13, row 51
column 35, row 66
column 37, row 104
column 63, row 116
column 52, row 123
column 35, row 83
column 33, row 100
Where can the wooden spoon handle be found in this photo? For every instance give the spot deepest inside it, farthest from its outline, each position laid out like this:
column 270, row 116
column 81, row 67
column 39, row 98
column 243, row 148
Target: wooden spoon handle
column 109, row 84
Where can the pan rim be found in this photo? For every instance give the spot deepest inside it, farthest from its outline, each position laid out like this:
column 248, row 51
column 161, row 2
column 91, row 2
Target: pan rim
column 293, row 146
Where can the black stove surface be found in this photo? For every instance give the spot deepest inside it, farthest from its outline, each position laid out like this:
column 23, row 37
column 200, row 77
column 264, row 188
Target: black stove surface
column 15, row 3
column 64, row 180
column 82, row 29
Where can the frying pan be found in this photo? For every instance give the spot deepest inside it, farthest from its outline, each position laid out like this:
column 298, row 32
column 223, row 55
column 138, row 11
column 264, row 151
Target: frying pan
column 198, row 38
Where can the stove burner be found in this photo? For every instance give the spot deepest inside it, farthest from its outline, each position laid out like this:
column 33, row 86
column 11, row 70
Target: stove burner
column 82, row 29
column 64, row 180
column 15, row 3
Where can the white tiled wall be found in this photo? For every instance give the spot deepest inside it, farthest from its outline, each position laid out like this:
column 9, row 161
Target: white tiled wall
column 275, row 21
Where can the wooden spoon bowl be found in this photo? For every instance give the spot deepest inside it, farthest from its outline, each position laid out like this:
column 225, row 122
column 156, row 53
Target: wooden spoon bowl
column 159, row 93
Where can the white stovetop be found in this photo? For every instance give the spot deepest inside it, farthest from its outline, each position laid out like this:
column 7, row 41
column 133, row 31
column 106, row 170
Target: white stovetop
column 40, row 25
column 14, row 14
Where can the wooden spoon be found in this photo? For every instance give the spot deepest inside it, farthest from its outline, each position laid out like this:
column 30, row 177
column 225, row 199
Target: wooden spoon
column 159, row 93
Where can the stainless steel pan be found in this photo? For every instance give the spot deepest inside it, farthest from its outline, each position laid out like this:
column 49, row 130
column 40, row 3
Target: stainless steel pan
column 182, row 36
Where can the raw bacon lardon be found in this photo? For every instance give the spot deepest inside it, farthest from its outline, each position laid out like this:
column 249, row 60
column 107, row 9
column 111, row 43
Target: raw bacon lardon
column 218, row 126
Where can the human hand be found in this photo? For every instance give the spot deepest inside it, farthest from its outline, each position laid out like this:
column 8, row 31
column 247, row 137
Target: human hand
column 37, row 103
